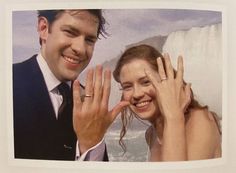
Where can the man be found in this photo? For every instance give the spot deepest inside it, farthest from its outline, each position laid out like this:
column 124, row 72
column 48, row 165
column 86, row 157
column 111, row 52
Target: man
column 42, row 128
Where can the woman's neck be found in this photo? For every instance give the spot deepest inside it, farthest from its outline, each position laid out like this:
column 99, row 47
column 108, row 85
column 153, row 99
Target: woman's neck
column 157, row 127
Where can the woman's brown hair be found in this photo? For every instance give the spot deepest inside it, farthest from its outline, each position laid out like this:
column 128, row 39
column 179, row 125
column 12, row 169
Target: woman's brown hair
column 149, row 54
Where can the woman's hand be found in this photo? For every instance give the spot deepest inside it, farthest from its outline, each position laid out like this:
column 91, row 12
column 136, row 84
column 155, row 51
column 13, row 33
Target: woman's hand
column 91, row 117
column 173, row 98
column 172, row 94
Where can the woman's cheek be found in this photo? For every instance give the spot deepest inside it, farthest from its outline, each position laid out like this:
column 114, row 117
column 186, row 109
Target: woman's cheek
column 152, row 92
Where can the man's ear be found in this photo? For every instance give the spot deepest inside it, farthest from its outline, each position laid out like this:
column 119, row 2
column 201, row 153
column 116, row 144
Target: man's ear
column 43, row 28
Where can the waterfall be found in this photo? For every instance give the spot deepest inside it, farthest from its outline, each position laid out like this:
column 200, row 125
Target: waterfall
column 201, row 48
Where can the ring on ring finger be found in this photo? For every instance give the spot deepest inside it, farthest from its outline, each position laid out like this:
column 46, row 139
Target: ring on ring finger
column 165, row 78
column 88, row 95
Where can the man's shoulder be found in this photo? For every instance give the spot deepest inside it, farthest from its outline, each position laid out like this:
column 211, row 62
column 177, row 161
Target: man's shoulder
column 23, row 72
column 24, row 64
column 25, row 68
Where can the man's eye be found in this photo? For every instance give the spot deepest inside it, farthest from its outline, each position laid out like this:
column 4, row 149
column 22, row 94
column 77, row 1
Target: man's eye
column 90, row 41
column 69, row 33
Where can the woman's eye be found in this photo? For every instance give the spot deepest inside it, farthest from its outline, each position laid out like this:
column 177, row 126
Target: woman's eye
column 126, row 88
column 146, row 82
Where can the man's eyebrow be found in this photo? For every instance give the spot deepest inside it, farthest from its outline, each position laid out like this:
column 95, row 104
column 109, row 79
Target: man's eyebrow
column 71, row 28
column 77, row 31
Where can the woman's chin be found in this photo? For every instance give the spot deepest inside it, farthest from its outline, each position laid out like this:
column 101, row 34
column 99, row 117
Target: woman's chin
column 144, row 115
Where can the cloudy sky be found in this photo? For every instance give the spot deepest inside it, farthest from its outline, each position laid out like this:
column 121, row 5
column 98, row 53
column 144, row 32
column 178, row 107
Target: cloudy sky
column 125, row 26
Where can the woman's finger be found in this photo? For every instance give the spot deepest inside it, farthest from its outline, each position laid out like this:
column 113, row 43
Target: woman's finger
column 168, row 66
column 154, row 78
column 187, row 96
column 180, row 69
column 161, row 69
column 188, row 92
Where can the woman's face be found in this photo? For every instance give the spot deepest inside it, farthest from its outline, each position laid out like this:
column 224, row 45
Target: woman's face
column 138, row 90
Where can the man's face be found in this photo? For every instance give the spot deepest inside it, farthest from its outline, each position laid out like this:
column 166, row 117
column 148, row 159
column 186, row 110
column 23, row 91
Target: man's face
column 67, row 46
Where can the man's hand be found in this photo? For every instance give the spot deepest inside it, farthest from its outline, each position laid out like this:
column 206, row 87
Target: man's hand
column 91, row 117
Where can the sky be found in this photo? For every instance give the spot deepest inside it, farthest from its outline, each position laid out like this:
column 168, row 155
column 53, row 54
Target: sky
column 125, row 26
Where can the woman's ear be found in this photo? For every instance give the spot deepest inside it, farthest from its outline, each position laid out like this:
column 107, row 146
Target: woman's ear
column 43, row 29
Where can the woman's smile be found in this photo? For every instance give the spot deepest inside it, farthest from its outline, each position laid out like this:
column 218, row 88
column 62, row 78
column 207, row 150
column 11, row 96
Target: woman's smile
column 137, row 89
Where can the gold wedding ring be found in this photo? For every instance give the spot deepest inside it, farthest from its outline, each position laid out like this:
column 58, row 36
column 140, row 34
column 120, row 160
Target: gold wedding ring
column 164, row 79
column 87, row 95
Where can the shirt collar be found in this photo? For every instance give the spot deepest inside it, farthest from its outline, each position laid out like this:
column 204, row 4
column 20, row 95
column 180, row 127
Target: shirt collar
column 51, row 81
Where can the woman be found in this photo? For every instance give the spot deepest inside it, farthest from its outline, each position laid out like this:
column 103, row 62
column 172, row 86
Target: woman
column 181, row 129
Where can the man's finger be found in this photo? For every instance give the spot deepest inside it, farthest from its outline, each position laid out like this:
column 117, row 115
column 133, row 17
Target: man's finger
column 98, row 84
column 106, row 87
column 88, row 97
column 118, row 108
column 76, row 94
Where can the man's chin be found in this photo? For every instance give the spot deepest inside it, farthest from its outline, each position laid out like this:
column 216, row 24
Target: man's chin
column 71, row 77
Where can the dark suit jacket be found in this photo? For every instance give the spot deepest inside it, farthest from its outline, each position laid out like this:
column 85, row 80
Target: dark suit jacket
column 37, row 133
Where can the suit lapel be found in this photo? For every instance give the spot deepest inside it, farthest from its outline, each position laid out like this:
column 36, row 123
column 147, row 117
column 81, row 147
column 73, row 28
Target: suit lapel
column 39, row 92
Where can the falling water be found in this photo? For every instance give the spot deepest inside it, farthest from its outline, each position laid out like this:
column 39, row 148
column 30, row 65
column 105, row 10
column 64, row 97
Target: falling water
column 201, row 48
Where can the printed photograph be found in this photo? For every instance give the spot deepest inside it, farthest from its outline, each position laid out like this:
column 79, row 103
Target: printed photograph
column 147, row 84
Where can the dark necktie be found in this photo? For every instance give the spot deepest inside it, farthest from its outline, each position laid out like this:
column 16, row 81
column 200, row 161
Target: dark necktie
column 65, row 110
column 65, row 132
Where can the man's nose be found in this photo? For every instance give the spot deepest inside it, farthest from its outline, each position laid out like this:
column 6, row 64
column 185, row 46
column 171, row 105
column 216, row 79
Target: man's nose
column 79, row 46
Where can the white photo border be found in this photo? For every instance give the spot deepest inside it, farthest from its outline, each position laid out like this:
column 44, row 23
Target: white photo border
column 16, row 164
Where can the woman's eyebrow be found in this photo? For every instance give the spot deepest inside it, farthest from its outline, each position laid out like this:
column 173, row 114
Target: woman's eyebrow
column 143, row 78
column 123, row 83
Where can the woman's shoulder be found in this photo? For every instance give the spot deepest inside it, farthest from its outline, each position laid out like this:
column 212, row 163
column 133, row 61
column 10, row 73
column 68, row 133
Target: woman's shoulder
column 202, row 134
column 201, row 121
column 202, row 115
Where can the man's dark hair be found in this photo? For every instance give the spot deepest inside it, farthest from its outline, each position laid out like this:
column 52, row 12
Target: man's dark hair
column 52, row 15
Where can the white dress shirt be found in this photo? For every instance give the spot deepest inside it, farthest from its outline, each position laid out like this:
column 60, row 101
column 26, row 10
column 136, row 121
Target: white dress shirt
column 96, row 153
